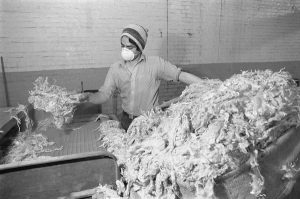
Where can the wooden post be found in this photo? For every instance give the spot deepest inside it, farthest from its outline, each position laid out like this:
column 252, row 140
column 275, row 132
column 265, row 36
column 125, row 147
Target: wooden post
column 5, row 83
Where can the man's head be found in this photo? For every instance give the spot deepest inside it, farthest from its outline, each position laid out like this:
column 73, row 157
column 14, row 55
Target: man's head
column 133, row 41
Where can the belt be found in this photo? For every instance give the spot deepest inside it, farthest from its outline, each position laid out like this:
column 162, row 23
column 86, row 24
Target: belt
column 130, row 116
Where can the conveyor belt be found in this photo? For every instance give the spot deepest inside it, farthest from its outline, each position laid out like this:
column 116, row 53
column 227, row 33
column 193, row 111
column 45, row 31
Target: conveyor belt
column 76, row 138
column 80, row 165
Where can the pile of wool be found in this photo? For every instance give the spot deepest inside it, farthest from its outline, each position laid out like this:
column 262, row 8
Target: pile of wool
column 14, row 114
column 111, row 138
column 105, row 192
column 213, row 129
column 29, row 146
column 55, row 99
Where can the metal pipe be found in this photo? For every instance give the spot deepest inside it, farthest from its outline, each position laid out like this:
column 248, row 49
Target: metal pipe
column 5, row 83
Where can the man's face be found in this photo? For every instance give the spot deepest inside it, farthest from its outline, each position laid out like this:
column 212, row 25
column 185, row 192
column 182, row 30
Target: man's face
column 125, row 43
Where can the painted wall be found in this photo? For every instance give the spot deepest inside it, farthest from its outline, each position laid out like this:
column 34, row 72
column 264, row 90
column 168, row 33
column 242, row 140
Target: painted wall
column 76, row 40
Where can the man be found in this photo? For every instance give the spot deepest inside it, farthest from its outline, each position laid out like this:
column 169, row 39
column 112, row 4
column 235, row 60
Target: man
column 137, row 76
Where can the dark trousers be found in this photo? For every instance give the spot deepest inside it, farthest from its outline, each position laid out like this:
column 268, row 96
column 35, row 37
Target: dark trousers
column 125, row 120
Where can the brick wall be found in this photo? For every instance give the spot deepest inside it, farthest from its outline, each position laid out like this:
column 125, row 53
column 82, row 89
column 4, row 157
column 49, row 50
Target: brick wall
column 260, row 31
column 71, row 39
column 228, row 31
column 69, row 34
column 66, row 34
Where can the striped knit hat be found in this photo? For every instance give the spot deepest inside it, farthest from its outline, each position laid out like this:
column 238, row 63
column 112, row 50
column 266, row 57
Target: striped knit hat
column 137, row 33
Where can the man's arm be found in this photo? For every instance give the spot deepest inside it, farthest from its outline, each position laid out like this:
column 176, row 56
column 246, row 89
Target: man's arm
column 168, row 71
column 97, row 98
column 189, row 78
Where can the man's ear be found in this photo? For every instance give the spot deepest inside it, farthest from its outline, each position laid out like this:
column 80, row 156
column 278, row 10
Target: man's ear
column 137, row 54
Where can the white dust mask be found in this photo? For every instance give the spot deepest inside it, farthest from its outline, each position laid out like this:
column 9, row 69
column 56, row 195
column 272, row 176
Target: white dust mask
column 127, row 54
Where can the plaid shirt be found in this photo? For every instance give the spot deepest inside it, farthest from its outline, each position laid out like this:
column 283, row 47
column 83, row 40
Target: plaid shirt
column 139, row 86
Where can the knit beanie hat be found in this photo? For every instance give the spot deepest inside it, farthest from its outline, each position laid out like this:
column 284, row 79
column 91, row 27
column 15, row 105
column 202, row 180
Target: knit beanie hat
column 137, row 33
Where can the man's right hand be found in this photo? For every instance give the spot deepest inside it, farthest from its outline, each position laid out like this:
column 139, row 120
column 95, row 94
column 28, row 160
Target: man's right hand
column 83, row 97
column 168, row 103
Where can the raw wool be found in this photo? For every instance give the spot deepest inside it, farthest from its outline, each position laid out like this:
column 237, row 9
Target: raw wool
column 52, row 98
column 111, row 137
column 105, row 192
column 213, row 129
column 27, row 146
column 20, row 109
column 290, row 172
column 143, row 126
column 257, row 183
